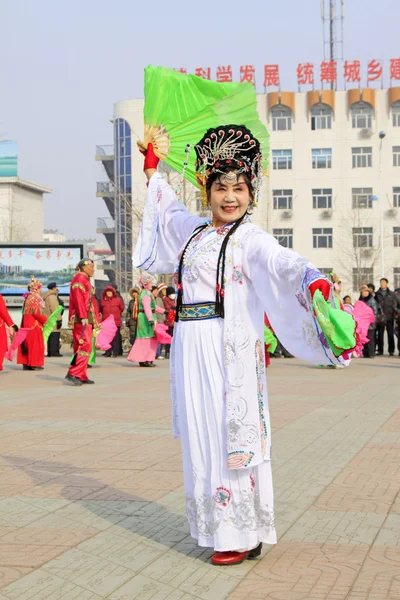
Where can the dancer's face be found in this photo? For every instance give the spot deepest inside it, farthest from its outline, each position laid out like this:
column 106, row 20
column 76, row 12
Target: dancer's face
column 228, row 201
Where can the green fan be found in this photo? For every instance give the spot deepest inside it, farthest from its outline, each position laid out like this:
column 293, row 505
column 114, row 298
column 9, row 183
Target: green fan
column 270, row 340
column 180, row 108
column 337, row 325
column 51, row 323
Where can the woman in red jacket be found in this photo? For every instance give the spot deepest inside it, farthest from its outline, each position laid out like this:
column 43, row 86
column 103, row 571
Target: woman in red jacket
column 111, row 304
column 31, row 351
column 5, row 320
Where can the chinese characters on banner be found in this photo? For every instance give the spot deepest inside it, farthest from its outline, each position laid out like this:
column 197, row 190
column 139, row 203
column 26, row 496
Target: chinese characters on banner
column 329, row 73
column 49, row 254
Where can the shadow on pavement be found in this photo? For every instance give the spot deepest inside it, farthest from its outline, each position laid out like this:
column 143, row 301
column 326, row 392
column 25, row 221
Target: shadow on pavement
column 148, row 519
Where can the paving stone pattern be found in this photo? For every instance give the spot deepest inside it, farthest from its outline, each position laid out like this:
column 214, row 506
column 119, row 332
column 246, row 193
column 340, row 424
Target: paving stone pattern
column 91, row 494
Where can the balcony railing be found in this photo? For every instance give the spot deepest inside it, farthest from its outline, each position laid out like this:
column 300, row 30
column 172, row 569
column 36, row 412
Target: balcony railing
column 105, row 187
column 105, row 223
column 107, row 150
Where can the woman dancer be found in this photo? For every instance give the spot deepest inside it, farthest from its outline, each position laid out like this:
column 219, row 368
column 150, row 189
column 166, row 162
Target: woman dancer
column 31, row 351
column 144, row 349
column 228, row 274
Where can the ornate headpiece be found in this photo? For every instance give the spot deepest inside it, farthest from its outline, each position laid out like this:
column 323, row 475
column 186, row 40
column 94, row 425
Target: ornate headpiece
column 229, row 146
column 144, row 279
column 83, row 263
column 34, row 285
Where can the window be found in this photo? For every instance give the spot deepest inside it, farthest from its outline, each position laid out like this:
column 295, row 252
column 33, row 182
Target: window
column 362, row 276
column 362, row 197
column 396, row 197
column 197, row 198
column 281, row 118
column 123, row 157
column 321, row 117
column 284, row 237
column 322, row 238
column 361, row 115
column 396, row 156
column 325, row 271
column 396, row 237
column 282, row 159
column 396, row 114
column 396, row 278
column 282, row 199
column 361, row 157
column 322, row 158
column 322, row 198
column 363, row 237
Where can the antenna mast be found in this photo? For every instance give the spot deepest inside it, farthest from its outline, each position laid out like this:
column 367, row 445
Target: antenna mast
column 332, row 30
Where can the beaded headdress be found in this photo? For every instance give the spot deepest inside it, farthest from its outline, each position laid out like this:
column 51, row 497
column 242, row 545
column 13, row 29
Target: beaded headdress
column 83, row 263
column 34, row 285
column 144, row 279
column 229, row 146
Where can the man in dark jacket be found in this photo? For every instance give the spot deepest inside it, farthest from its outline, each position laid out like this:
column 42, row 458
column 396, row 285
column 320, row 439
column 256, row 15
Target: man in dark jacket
column 387, row 300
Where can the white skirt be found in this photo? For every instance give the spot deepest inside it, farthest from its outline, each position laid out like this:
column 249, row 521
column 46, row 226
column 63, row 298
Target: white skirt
column 226, row 509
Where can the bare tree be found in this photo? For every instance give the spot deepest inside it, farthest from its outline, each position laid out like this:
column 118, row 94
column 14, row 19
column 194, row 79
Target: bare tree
column 13, row 227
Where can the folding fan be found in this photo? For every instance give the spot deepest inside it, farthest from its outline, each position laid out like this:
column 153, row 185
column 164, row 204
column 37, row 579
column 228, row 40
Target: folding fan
column 180, row 108
column 337, row 325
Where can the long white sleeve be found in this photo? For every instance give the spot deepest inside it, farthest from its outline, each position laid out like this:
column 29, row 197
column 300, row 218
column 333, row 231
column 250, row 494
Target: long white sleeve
column 166, row 226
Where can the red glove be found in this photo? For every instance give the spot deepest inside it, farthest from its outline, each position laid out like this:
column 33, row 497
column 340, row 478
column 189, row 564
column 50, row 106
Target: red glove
column 150, row 159
column 323, row 286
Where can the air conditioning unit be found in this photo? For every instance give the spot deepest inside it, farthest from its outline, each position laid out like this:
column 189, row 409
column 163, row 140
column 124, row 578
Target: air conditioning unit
column 366, row 252
column 392, row 212
column 366, row 133
column 287, row 214
column 326, row 214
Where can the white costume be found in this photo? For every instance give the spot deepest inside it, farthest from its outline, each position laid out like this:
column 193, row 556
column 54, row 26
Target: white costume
column 218, row 383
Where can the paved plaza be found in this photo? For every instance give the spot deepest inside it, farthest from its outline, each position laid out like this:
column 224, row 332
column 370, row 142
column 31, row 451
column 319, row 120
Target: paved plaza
column 92, row 501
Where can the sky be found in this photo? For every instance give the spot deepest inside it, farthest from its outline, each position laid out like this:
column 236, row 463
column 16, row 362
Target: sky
column 64, row 65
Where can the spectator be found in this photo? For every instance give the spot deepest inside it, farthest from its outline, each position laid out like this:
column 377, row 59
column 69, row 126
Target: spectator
column 132, row 314
column 366, row 296
column 371, row 288
column 120, row 349
column 387, row 301
column 111, row 304
column 170, row 306
column 160, row 317
column 348, row 305
column 51, row 303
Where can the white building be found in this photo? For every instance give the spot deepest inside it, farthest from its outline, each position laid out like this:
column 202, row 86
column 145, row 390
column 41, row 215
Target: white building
column 333, row 191
column 21, row 210
column 53, row 236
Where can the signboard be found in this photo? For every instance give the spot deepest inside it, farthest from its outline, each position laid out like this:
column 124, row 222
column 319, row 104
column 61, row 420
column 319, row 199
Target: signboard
column 52, row 262
column 8, row 159
column 328, row 72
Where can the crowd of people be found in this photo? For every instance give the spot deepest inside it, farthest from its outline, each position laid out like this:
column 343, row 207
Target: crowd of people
column 141, row 317
column 385, row 305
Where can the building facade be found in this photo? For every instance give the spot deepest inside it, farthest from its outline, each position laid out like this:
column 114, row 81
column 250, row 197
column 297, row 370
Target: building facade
column 333, row 190
column 21, row 210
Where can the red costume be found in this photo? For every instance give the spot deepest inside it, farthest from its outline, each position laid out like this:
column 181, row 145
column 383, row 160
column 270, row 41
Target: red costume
column 5, row 319
column 82, row 305
column 31, row 351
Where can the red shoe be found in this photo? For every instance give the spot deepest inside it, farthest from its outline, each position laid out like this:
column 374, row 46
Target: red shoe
column 235, row 558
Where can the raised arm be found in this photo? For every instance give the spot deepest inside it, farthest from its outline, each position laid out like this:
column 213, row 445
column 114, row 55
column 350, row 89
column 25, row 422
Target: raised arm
column 166, row 224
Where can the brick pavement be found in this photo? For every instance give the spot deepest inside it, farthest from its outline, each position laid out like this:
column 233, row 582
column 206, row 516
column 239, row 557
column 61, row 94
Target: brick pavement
column 91, row 497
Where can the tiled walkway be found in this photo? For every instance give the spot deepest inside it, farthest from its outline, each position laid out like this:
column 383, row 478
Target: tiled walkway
column 91, row 496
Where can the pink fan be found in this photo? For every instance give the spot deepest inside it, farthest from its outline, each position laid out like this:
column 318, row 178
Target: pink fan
column 19, row 337
column 106, row 333
column 364, row 317
column 161, row 333
column 10, row 334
